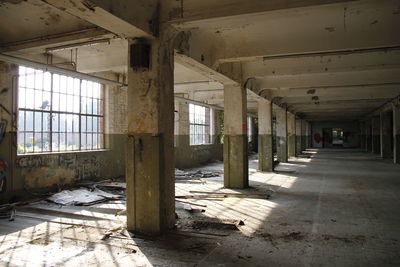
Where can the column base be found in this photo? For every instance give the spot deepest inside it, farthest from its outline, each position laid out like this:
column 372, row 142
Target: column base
column 150, row 185
column 236, row 170
column 265, row 155
column 281, row 149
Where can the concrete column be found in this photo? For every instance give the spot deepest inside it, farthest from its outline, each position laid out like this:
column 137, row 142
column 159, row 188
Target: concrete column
column 303, row 135
column 362, row 135
column 150, row 150
column 385, row 134
column 236, row 171
column 182, row 134
column 368, row 135
column 181, row 124
column 376, row 146
column 265, row 155
column 291, row 128
column 308, row 134
column 396, row 133
column 281, row 135
column 298, row 137
column 8, row 138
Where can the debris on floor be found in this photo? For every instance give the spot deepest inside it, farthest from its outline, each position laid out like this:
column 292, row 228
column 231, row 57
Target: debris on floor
column 222, row 195
column 188, row 207
column 182, row 175
column 82, row 197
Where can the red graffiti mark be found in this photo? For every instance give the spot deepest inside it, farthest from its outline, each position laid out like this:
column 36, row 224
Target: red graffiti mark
column 317, row 138
column 3, row 165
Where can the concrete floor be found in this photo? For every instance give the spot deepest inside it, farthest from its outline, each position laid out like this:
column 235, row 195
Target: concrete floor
column 330, row 208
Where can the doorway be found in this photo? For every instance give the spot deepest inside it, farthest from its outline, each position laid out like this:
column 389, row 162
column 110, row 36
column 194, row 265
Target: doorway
column 337, row 137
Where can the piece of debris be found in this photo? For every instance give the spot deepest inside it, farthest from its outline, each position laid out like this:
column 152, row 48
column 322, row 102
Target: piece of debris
column 293, row 236
column 191, row 203
column 182, row 175
column 82, row 197
column 106, row 236
column 121, row 212
column 265, row 195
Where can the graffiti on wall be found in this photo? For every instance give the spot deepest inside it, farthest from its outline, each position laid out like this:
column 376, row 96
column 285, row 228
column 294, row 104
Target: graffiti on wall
column 84, row 167
column 3, row 178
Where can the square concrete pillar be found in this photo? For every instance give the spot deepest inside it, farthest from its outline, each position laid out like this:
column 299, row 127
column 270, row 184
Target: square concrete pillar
column 236, row 171
column 386, row 134
column 396, row 133
column 368, row 135
column 376, row 139
column 308, row 134
column 281, row 134
column 265, row 154
column 303, row 135
column 181, row 124
column 8, row 120
column 291, row 129
column 298, row 136
column 362, row 134
column 150, row 174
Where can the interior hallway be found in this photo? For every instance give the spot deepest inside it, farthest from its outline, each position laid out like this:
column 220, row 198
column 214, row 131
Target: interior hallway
column 330, row 207
column 338, row 208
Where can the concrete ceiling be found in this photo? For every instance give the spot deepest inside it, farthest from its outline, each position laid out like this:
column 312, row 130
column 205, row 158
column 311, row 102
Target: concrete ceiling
column 321, row 59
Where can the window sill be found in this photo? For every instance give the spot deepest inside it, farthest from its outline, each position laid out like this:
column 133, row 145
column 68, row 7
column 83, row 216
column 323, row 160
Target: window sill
column 62, row 152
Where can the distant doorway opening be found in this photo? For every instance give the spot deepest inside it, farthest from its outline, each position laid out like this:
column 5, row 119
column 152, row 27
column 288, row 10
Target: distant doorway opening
column 337, row 137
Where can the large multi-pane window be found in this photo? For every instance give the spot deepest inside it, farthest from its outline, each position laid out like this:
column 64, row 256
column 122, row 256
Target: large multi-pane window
column 199, row 121
column 58, row 113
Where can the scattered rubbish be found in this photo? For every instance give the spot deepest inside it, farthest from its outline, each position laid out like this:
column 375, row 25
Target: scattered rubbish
column 182, row 175
column 82, row 197
column 213, row 224
column 114, row 186
column 293, row 236
column 188, row 207
column 106, row 236
column 191, row 203
column 265, row 195
column 121, row 212
column 118, row 229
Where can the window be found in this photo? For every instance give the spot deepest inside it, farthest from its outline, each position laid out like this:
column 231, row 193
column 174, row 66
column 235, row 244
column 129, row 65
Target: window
column 199, row 120
column 249, row 129
column 58, row 113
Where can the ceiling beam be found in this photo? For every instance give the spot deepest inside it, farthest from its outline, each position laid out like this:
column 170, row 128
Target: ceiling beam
column 40, row 44
column 123, row 18
column 190, row 11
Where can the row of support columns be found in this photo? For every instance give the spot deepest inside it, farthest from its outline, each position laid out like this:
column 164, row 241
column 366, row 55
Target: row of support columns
column 150, row 138
column 381, row 134
column 292, row 135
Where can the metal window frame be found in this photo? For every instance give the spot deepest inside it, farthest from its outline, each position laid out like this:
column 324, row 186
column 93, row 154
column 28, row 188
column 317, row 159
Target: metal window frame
column 207, row 136
column 100, row 99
